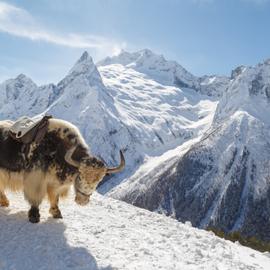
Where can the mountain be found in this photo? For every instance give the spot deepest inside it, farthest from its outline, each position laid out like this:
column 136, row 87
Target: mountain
column 197, row 150
column 21, row 96
column 109, row 234
column 115, row 107
column 220, row 180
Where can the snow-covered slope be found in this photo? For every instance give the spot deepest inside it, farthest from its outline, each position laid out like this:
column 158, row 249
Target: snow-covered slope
column 156, row 66
column 109, row 234
column 223, row 178
column 168, row 72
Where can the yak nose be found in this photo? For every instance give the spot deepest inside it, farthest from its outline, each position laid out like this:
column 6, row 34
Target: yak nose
column 81, row 200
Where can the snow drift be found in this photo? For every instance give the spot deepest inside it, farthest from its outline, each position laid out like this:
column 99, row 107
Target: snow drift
column 109, row 234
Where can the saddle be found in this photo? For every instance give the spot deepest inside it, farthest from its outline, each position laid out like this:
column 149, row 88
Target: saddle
column 30, row 130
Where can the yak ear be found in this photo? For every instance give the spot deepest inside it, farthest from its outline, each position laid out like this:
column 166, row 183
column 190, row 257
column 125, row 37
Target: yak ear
column 69, row 159
column 80, row 153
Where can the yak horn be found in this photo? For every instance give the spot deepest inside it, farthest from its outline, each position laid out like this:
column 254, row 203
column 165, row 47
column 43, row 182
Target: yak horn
column 68, row 158
column 120, row 167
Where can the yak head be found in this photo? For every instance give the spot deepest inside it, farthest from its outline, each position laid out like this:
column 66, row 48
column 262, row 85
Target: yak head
column 91, row 172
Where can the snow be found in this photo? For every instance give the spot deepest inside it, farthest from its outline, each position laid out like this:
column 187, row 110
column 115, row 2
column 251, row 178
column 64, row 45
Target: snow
column 109, row 234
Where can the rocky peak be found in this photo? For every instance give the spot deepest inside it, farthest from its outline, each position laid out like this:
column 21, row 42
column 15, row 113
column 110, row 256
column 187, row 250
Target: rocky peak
column 237, row 71
column 85, row 65
column 83, row 68
column 84, row 57
column 23, row 80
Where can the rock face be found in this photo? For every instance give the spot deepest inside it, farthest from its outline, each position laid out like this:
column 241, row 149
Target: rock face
column 214, row 85
column 223, row 179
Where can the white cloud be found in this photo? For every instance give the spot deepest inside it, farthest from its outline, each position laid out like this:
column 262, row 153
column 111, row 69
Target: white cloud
column 18, row 22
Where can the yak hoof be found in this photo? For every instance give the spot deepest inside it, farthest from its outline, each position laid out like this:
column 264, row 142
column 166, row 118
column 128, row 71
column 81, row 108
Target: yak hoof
column 4, row 203
column 33, row 214
column 58, row 215
column 55, row 212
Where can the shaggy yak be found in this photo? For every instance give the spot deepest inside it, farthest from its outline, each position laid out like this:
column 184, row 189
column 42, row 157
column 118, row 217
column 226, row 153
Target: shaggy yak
column 60, row 160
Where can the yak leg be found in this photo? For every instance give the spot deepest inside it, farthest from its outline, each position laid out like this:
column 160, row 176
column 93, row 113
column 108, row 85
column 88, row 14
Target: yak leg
column 54, row 199
column 3, row 199
column 34, row 192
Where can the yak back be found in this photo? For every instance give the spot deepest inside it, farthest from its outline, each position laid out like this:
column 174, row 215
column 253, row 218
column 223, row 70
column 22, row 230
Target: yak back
column 51, row 152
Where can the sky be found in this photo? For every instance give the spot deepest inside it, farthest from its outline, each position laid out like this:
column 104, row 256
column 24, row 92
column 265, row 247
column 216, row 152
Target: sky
column 43, row 39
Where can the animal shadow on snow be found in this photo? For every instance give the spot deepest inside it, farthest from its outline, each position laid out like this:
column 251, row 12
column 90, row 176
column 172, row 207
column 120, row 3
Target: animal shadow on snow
column 27, row 246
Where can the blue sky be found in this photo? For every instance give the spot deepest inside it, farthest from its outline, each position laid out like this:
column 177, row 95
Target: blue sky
column 44, row 38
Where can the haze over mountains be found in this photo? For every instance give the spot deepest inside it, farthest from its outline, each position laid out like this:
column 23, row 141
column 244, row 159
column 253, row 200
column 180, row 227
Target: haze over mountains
column 197, row 148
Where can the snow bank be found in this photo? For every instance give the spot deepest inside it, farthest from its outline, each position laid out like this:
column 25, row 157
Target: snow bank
column 109, row 234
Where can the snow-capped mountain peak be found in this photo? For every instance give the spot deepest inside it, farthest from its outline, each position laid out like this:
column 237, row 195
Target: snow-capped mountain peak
column 23, row 78
column 249, row 91
column 84, row 65
column 84, row 57
column 125, row 58
column 84, row 69
column 14, row 88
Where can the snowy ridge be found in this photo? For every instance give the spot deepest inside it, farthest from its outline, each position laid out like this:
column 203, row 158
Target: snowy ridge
column 156, row 66
column 109, row 234
column 168, row 72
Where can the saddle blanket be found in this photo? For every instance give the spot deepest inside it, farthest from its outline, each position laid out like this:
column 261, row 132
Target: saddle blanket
column 25, row 124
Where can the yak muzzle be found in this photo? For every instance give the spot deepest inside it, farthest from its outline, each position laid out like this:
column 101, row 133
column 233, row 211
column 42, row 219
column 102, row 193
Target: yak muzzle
column 81, row 199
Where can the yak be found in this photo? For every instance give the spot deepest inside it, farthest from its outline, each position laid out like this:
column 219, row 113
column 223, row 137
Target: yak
column 61, row 159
